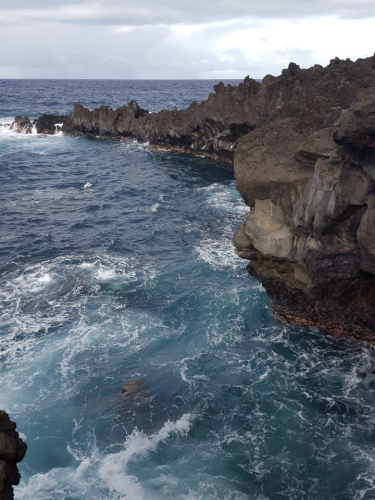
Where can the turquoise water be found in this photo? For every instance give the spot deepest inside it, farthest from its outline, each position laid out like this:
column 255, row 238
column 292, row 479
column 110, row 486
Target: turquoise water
column 116, row 264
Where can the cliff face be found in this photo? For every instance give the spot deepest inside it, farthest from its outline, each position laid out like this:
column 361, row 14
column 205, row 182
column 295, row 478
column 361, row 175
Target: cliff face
column 12, row 451
column 308, row 174
column 303, row 146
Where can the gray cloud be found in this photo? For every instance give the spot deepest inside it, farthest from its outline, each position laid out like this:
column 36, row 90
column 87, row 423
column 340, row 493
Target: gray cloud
column 125, row 12
column 174, row 39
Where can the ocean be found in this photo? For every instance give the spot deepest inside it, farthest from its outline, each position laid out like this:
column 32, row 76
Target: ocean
column 116, row 264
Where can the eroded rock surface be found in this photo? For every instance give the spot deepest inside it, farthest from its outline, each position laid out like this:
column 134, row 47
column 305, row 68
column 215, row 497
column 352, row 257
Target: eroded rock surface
column 212, row 127
column 22, row 125
column 12, row 451
column 308, row 174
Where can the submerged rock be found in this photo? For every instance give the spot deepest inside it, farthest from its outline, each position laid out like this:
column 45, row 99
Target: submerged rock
column 132, row 388
column 12, row 451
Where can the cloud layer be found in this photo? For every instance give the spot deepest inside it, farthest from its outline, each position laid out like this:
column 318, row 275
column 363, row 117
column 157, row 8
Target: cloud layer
column 175, row 39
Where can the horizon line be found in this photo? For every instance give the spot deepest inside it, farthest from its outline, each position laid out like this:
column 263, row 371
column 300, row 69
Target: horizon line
column 132, row 79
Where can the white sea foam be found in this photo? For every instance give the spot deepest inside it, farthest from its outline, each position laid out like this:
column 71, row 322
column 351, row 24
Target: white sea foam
column 218, row 253
column 156, row 205
column 6, row 129
column 5, row 126
column 105, row 476
column 224, row 198
column 38, row 304
column 114, row 467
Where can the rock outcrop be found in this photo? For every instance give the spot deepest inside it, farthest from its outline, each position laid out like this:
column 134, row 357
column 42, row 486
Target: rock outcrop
column 22, row 125
column 308, row 174
column 49, row 124
column 211, row 127
column 12, row 451
column 303, row 146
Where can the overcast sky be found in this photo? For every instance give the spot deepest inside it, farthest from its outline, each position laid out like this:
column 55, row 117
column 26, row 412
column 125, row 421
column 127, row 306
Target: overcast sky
column 178, row 39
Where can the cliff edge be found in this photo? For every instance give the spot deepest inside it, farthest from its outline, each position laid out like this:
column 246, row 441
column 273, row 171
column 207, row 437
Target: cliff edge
column 308, row 173
column 12, row 451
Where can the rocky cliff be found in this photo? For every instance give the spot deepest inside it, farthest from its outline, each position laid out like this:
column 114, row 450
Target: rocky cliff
column 308, row 173
column 303, row 146
column 12, row 451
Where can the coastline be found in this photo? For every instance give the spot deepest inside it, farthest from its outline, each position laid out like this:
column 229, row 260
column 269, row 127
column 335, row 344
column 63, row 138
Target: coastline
column 301, row 144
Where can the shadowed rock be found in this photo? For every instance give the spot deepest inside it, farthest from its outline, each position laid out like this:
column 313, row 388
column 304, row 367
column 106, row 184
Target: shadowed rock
column 12, row 451
column 49, row 124
column 22, row 125
column 308, row 174
column 212, row 127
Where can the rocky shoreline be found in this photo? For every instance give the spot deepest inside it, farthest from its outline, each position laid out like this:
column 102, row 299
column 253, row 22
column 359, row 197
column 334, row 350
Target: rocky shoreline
column 303, row 148
column 12, row 451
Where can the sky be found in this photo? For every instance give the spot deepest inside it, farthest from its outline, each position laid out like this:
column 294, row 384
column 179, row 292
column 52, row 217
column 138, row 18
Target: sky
column 180, row 39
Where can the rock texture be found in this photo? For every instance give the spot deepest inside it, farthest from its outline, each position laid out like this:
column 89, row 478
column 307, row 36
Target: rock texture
column 212, row 127
column 22, row 125
column 308, row 174
column 303, row 146
column 12, row 451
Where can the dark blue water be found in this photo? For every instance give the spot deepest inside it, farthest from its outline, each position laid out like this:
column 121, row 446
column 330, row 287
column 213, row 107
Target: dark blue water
column 116, row 264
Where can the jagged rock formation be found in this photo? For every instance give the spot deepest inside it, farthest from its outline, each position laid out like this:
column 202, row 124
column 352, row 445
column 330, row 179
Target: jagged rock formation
column 212, row 127
column 12, row 451
column 22, row 125
column 303, row 146
column 49, row 124
column 308, row 174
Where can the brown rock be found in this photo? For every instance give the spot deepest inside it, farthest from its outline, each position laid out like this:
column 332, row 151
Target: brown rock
column 132, row 388
column 308, row 173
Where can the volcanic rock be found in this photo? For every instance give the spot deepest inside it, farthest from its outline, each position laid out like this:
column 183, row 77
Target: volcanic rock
column 22, row 124
column 308, row 174
column 49, row 124
column 12, row 451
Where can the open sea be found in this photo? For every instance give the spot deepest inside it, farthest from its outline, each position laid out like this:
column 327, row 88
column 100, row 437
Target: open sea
column 116, row 264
